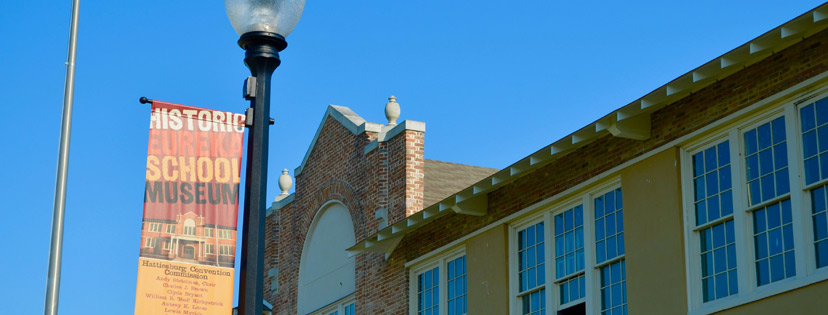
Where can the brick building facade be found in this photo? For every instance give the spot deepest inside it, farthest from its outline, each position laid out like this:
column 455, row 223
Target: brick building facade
column 641, row 194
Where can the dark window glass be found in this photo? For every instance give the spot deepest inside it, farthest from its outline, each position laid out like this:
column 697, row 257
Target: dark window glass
column 718, row 261
column 766, row 161
column 773, row 243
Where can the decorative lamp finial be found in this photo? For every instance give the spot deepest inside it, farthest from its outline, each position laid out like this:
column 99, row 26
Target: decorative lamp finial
column 285, row 181
column 392, row 111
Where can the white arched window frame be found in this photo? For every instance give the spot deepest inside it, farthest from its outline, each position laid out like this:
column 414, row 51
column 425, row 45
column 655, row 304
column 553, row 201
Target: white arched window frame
column 189, row 227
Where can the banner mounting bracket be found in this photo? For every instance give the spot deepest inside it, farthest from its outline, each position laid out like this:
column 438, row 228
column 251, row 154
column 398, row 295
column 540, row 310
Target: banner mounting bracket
column 248, row 117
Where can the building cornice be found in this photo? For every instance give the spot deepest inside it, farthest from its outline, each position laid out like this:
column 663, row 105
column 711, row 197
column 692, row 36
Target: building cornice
column 631, row 121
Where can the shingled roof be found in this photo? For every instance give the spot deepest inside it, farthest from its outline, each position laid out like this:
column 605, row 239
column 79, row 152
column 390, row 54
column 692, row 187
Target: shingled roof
column 444, row 178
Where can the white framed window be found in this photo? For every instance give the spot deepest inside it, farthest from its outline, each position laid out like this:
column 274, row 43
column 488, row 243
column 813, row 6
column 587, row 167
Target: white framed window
column 754, row 206
column 154, row 227
column 569, row 255
column 225, row 234
column 166, row 244
column 768, row 196
column 583, row 239
column 151, row 242
column 226, row 250
column 209, row 248
column 208, row 232
column 609, row 252
column 531, row 268
column 457, row 290
column 814, row 138
column 189, row 227
column 713, row 222
column 439, row 287
column 170, row 228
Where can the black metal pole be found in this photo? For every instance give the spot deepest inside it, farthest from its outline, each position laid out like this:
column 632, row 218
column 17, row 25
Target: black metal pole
column 262, row 57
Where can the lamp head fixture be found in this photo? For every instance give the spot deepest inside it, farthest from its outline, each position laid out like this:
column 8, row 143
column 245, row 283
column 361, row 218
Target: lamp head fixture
column 270, row 16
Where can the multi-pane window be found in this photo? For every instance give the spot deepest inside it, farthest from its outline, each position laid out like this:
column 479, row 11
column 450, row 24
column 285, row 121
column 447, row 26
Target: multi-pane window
column 428, row 292
column 766, row 167
column 609, row 252
column 457, row 291
column 225, row 234
column 531, row 270
column 713, row 193
column 151, row 242
column 766, row 162
column 718, row 261
column 764, row 188
column 609, row 226
column 713, row 204
column 820, row 222
column 208, row 232
column 586, row 239
column 209, row 248
column 814, row 129
column 170, row 228
column 189, row 227
column 441, row 286
column 773, row 240
column 226, row 250
column 166, row 245
column 614, row 288
column 349, row 309
column 154, row 227
column 569, row 255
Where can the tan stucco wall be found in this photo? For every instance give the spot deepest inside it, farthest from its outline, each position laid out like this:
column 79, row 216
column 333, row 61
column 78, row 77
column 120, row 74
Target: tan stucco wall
column 653, row 235
column 486, row 263
column 806, row 300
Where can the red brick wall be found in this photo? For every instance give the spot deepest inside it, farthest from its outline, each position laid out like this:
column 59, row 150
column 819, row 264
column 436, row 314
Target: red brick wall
column 406, row 176
column 272, row 239
column 338, row 169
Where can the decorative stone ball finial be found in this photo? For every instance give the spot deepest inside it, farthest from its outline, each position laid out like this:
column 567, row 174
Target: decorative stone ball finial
column 285, row 181
column 392, row 111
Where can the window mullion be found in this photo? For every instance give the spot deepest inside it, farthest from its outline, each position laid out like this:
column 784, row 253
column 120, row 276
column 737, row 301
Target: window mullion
column 743, row 229
column 691, row 249
column 799, row 198
column 549, row 260
column 591, row 281
column 443, row 286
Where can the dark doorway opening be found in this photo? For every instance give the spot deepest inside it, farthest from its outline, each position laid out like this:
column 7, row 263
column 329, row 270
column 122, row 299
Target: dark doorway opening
column 578, row 309
column 189, row 252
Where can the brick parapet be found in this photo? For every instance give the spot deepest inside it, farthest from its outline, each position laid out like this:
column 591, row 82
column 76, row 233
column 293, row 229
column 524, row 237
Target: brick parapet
column 338, row 168
column 272, row 238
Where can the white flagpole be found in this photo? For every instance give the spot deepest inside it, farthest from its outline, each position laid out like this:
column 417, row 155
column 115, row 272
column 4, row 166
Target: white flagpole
column 56, row 247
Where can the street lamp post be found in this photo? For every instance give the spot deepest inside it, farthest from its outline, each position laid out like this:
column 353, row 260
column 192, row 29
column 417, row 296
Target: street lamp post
column 263, row 25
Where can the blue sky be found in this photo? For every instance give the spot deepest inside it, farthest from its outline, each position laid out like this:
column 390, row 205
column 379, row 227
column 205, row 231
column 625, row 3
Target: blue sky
column 493, row 80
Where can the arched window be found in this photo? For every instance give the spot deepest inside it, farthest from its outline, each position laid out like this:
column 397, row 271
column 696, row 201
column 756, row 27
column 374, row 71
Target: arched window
column 326, row 271
column 189, row 227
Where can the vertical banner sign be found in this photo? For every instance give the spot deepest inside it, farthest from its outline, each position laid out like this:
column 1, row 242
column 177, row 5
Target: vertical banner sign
column 188, row 233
